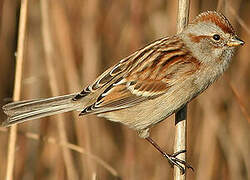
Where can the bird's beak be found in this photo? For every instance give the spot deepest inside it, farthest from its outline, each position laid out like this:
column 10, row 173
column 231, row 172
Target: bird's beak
column 235, row 41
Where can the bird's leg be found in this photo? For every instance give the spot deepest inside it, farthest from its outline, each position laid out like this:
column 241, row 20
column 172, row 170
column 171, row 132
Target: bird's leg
column 173, row 160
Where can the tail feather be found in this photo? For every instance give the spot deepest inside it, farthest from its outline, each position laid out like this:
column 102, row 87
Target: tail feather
column 22, row 111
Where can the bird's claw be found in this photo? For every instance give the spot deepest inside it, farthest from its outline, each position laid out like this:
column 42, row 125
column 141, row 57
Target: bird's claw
column 174, row 161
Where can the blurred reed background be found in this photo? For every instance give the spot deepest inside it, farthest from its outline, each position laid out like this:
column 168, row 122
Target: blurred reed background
column 68, row 43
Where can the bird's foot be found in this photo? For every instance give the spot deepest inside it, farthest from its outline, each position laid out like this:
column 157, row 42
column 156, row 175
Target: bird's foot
column 174, row 161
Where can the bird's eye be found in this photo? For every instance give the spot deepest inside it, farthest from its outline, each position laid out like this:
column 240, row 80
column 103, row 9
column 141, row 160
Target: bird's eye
column 216, row 37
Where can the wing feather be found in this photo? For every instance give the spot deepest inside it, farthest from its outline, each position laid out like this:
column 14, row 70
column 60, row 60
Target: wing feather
column 146, row 74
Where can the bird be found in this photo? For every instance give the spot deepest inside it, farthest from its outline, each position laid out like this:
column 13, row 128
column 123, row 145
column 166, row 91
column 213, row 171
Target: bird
column 149, row 85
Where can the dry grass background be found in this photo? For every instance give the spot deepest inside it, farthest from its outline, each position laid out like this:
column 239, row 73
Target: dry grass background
column 68, row 43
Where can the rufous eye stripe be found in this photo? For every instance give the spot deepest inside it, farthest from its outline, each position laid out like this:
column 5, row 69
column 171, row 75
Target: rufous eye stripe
column 197, row 39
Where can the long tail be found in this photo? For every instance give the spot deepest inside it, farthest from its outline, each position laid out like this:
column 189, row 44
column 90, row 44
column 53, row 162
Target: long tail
column 22, row 111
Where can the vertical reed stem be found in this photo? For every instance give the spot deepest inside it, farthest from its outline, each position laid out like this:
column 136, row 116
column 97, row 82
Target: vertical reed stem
column 48, row 48
column 17, row 87
column 181, row 115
